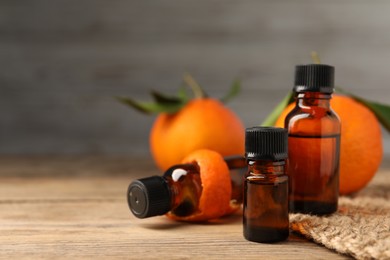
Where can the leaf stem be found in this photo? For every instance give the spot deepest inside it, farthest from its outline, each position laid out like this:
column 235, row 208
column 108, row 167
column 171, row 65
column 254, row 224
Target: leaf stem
column 195, row 87
column 315, row 57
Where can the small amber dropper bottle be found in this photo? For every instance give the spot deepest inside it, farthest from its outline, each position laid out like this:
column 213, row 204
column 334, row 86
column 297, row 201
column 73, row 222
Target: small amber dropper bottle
column 265, row 215
column 178, row 190
column 313, row 142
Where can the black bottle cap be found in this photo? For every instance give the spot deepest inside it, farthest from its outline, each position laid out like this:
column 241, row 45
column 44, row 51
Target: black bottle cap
column 149, row 197
column 314, row 78
column 266, row 143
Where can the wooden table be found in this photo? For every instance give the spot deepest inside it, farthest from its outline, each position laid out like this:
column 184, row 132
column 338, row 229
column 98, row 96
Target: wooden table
column 75, row 207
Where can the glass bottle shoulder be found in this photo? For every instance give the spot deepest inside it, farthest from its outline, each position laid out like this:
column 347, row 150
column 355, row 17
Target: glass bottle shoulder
column 313, row 120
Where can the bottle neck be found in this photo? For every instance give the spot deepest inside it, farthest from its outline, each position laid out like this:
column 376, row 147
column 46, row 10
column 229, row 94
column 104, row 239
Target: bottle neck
column 313, row 99
column 185, row 188
column 237, row 168
column 266, row 167
column 235, row 162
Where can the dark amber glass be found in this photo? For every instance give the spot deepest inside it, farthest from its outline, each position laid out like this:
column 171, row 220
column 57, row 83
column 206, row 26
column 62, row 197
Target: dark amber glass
column 185, row 188
column 185, row 185
column 265, row 206
column 314, row 154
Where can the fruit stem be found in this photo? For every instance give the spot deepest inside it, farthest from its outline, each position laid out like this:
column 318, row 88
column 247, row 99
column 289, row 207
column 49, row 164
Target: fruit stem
column 195, row 87
column 315, row 57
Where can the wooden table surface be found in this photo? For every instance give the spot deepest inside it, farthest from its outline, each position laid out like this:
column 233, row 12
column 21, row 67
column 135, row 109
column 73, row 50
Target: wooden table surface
column 75, row 207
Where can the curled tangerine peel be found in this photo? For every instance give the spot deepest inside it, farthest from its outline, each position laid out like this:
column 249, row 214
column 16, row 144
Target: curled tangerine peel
column 216, row 186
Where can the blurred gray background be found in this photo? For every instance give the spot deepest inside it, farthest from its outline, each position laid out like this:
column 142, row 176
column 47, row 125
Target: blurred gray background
column 61, row 62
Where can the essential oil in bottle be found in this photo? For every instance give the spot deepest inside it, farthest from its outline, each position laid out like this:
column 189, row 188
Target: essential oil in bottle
column 265, row 206
column 178, row 190
column 313, row 142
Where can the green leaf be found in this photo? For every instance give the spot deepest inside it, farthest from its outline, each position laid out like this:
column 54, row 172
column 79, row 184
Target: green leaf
column 182, row 94
column 271, row 118
column 234, row 91
column 381, row 111
column 164, row 99
column 150, row 107
column 173, row 103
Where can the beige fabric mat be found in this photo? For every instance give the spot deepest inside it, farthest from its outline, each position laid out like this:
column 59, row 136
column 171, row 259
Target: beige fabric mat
column 360, row 228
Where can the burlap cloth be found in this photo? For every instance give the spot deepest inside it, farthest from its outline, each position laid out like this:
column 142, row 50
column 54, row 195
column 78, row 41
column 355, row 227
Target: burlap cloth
column 361, row 226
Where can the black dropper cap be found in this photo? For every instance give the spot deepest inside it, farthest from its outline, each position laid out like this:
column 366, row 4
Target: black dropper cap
column 314, row 78
column 149, row 197
column 266, row 143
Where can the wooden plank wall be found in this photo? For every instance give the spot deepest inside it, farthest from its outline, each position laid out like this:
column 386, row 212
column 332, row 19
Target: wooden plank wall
column 61, row 62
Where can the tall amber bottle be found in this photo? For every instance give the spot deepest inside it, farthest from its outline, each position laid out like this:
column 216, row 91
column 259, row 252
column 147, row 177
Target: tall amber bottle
column 313, row 142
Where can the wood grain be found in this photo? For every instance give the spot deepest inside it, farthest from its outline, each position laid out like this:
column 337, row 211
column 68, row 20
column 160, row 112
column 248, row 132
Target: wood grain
column 86, row 216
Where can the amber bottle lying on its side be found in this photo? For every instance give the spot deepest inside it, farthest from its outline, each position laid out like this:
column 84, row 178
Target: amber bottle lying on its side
column 179, row 189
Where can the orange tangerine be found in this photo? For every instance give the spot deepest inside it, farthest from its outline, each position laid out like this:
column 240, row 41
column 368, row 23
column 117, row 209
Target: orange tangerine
column 203, row 123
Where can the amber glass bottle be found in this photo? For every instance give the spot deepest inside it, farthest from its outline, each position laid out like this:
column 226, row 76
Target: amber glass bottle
column 265, row 205
column 313, row 142
column 178, row 190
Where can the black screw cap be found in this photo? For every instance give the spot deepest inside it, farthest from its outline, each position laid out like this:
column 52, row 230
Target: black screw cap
column 266, row 143
column 314, row 78
column 149, row 197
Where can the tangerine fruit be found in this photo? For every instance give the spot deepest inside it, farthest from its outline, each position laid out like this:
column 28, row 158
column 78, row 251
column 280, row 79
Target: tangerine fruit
column 201, row 123
column 361, row 147
column 214, row 201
